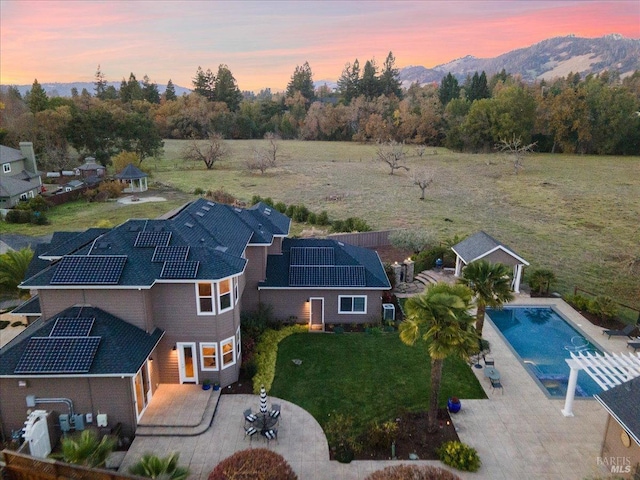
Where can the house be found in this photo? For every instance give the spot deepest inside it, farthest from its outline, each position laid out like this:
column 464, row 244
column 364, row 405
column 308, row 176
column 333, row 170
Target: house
column 620, row 453
column 19, row 177
column 90, row 168
column 175, row 288
column 135, row 177
column 481, row 246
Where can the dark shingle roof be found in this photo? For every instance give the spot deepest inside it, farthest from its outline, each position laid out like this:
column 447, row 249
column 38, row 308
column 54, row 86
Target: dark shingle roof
column 478, row 245
column 623, row 403
column 122, row 350
column 324, row 263
column 30, row 307
column 131, row 172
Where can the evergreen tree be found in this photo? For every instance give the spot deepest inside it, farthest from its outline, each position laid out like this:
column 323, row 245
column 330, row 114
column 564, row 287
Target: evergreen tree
column 130, row 90
column 370, row 84
column 100, row 84
column 170, row 92
column 150, row 91
column 111, row 93
column 476, row 87
column 74, row 92
column 389, row 78
column 449, row 89
column 37, row 98
column 203, row 83
column 349, row 82
column 302, row 81
column 226, row 89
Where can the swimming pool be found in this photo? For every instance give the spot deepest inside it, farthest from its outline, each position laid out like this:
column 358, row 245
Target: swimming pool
column 543, row 339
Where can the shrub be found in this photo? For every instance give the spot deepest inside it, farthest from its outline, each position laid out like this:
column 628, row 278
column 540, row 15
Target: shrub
column 459, row 455
column 18, row 216
column 414, row 240
column 220, row 196
column 540, row 280
column 380, row 435
column 300, row 213
column 312, row 218
column 281, row 207
column 253, row 463
column 86, row 449
column 579, row 302
column 426, row 259
column 151, row 466
column 198, row 191
column 412, row 472
column 339, row 431
column 604, row 307
column 351, row 224
column 124, row 158
column 267, row 354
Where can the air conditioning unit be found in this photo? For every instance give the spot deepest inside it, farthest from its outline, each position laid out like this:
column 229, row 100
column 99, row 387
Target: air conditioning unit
column 388, row 312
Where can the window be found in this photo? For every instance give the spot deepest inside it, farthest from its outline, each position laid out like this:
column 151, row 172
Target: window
column 6, row 167
column 23, row 196
column 238, row 347
column 235, row 290
column 204, row 291
column 224, row 296
column 352, row 304
column 228, row 352
column 209, row 356
column 31, row 194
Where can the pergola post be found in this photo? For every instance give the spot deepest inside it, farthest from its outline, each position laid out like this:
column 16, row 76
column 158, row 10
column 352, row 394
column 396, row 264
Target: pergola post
column 567, row 411
column 459, row 265
column 517, row 278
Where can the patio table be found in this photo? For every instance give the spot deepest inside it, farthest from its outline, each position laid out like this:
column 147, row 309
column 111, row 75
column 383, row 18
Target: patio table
column 264, row 422
column 492, row 373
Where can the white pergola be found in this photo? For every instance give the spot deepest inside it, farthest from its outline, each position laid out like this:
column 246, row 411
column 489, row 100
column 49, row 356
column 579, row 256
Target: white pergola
column 607, row 370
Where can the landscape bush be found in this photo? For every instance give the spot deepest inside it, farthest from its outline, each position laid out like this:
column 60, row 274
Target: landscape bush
column 604, row 307
column 351, row 224
column 412, row 472
column 459, row 455
column 426, row 259
column 254, row 463
column 540, row 280
column 220, row 196
column 340, row 435
column 379, row 436
column 579, row 302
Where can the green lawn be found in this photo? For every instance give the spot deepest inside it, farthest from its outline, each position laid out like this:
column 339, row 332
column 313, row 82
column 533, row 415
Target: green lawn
column 369, row 377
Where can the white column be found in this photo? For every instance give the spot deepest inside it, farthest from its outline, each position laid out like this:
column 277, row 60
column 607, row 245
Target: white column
column 567, row 411
column 458, row 266
column 517, row 279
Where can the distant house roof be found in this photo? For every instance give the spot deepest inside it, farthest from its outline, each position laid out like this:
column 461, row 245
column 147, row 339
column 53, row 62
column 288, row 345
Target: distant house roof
column 90, row 164
column 623, row 404
column 13, row 186
column 480, row 245
column 324, row 263
column 8, row 154
column 131, row 172
column 203, row 241
column 120, row 347
column 30, row 307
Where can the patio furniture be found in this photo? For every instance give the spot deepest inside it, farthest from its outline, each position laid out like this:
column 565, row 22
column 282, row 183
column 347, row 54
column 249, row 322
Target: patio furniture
column 625, row 332
column 492, row 373
column 249, row 418
column 635, row 345
column 249, row 432
column 495, row 384
column 488, row 361
column 271, row 434
column 275, row 412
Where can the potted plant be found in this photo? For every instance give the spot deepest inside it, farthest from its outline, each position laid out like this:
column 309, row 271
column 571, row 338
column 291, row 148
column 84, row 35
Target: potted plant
column 454, row 405
column 216, row 385
column 206, row 384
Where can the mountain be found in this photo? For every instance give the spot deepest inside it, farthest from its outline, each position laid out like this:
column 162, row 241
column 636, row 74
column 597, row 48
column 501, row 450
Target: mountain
column 551, row 58
column 64, row 89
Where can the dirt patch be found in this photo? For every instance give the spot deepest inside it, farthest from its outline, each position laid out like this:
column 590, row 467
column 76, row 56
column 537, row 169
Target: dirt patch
column 390, row 254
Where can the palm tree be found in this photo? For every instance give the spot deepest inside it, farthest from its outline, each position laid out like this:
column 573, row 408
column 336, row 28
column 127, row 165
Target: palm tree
column 440, row 316
column 540, row 280
column 490, row 284
column 13, row 267
column 165, row 468
column 86, row 449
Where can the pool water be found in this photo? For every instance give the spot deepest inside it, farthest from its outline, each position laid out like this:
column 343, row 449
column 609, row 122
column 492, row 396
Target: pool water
column 543, row 340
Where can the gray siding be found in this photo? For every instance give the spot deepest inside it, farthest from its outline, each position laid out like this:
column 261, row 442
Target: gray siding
column 500, row 256
column 254, row 273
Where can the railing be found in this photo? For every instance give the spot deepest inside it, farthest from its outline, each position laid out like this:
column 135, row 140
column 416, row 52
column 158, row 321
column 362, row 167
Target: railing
column 627, row 313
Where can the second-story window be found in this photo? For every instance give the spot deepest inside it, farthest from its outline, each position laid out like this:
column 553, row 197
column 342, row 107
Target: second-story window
column 224, row 296
column 205, row 298
column 6, row 167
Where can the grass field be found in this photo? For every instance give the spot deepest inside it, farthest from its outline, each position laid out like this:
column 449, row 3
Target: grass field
column 577, row 215
column 374, row 377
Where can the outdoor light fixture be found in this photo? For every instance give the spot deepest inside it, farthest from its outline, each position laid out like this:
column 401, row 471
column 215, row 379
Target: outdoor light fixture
column 174, row 348
column 307, row 300
column 151, row 359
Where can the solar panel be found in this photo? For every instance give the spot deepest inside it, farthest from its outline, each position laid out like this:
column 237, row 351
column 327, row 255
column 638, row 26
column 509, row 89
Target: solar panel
column 58, row 355
column 72, row 327
column 152, row 239
column 327, row 276
column 312, row 256
column 89, row 269
column 178, row 270
column 172, row 253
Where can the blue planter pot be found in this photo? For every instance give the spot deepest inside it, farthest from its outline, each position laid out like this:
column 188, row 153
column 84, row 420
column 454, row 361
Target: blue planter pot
column 206, row 386
column 454, row 407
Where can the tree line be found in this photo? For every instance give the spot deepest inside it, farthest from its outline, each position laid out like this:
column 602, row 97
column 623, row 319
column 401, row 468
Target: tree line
column 597, row 114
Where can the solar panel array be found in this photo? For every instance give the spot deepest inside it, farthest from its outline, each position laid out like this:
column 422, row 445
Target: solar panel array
column 58, row 355
column 179, row 270
column 72, row 327
column 89, row 269
column 327, row 276
column 153, row 239
column 172, row 253
column 312, row 256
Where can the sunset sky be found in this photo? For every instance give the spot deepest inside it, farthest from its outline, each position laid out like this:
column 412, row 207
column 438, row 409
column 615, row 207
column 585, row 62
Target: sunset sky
column 263, row 41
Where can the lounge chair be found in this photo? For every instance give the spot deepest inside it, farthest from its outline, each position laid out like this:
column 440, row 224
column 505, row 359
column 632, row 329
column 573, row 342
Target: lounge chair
column 489, row 361
column 635, row 345
column 625, row 332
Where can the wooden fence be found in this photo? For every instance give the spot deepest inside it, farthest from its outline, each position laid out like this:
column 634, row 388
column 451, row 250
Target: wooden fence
column 626, row 313
column 18, row 466
column 364, row 239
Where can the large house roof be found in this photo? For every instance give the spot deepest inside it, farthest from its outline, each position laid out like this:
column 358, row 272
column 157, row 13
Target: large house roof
column 120, row 347
column 8, row 154
column 480, row 245
column 14, row 185
column 324, row 264
column 203, row 241
column 623, row 403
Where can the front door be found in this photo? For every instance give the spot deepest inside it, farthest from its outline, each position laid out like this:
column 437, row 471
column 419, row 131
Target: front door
column 187, row 362
column 316, row 315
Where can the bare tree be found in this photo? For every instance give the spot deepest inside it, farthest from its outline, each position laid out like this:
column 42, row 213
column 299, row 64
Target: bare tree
column 267, row 157
column 517, row 149
column 422, row 179
column 210, row 152
column 420, row 149
column 393, row 154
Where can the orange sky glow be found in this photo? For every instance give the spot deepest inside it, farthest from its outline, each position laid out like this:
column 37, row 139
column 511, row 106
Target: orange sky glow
column 263, row 41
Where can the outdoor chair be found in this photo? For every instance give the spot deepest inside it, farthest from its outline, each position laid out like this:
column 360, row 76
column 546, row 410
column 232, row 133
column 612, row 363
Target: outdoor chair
column 249, row 432
column 495, row 384
column 271, row 434
column 635, row 345
column 489, row 362
column 249, row 417
column 625, row 332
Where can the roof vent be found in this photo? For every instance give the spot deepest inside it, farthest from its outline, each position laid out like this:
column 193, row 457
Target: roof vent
column 200, row 214
column 188, row 225
column 220, row 248
column 211, row 204
column 238, row 210
column 267, row 211
column 103, row 245
column 134, row 228
column 205, row 208
column 260, row 226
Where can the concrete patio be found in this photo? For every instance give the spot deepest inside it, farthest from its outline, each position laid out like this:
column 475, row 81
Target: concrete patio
column 520, row 433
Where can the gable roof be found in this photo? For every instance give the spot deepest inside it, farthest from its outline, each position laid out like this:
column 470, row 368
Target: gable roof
column 324, row 264
column 131, row 172
column 203, row 241
column 121, row 350
column 90, row 164
column 14, row 185
column 480, row 245
column 28, row 307
column 8, row 154
column 623, row 403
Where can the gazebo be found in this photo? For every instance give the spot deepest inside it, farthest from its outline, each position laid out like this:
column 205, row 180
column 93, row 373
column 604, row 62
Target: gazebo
column 137, row 179
column 481, row 246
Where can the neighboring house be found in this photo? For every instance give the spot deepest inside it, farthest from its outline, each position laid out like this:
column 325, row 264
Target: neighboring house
column 481, row 246
column 73, row 185
column 19, row 177
column 620, row 453
column 90, row 168
column 135, row 177
column 177, row 286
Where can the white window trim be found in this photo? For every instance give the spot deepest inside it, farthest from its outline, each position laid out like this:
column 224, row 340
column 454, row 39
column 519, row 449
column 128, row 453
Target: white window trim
column 215, row 356
column 6, row 167
column 219, row 296
column 238, row 342
column 30, row 193
column 213, row 294
column 235, row 290
column 232, row 341
column 23, row 196
column 352, row 297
